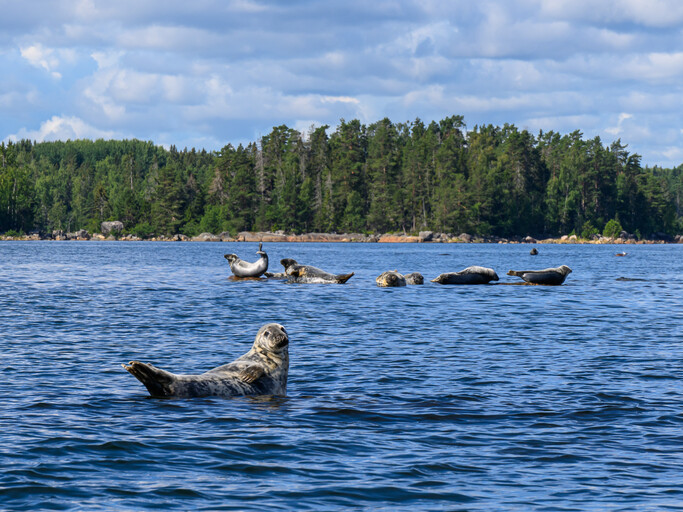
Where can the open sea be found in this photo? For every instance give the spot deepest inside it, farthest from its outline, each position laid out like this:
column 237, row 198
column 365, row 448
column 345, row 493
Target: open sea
column 423, row 398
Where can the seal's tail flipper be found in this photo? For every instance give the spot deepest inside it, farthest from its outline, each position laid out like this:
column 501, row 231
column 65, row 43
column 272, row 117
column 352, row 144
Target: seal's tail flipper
column 518, row 273
column 155, row 380
column 342, row 278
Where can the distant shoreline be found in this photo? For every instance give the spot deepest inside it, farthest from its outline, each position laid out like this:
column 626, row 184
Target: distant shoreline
column 266, row 236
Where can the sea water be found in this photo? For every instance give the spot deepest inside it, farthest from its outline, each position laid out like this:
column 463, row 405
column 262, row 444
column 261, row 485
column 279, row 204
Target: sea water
column 421, row 398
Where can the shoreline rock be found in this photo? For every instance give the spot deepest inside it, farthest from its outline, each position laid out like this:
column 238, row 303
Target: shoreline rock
column 280, row 236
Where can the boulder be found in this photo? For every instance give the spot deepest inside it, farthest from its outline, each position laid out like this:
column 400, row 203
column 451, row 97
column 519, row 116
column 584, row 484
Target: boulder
column 111, row 226
column 206, row 237
column 81, row 234
column 426, row 236
column 465, row 237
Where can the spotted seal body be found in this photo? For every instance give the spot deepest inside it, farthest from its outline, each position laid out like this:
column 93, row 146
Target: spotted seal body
column 470, row 275
column 393, row 278
column 390, row 278
column 306, row 274
column 548, row 276
column 243, row 268
column 261, row 371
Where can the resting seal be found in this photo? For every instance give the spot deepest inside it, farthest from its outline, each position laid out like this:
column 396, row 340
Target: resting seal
column 414, row 278
column 394, row 278
column 390, row 278
column 549, row 276
column 261, row 371
column 306, row 274
column 470, row 275
column 533, row 251
column 243, row 268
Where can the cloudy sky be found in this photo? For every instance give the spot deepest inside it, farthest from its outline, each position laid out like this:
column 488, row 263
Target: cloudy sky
column 204, row 73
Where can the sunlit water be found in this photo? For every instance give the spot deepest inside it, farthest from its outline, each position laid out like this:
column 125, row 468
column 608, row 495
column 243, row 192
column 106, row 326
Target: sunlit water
column 419, row 398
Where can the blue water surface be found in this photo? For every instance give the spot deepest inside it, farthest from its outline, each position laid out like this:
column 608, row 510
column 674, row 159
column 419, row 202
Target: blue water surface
column 421, row 398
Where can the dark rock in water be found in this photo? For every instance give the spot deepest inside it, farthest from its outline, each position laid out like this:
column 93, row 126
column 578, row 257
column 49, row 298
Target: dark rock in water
column 533, row 251
column 630, row 279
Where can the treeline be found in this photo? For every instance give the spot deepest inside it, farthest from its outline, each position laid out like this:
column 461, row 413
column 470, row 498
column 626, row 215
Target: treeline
column 384, row 177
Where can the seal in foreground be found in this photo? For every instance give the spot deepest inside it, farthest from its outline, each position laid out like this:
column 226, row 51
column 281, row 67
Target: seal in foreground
column 470, row 275
column 261, row 371
column 243, row 268
column 548, row 276
column 306, row 274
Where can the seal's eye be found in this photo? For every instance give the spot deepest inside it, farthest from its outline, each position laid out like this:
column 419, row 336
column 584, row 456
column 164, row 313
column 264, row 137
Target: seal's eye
column 266, row 334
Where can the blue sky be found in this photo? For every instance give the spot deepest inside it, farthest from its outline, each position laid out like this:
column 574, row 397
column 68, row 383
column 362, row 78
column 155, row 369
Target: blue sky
column 211, row 72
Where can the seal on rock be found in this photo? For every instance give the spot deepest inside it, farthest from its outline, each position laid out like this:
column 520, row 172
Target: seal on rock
column 306, row 274
column 548, row 276
column 243, row 268
column 470, row 275
column 261, row 371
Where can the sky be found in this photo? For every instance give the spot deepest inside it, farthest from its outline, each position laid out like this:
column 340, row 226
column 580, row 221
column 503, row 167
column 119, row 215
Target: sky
column 206, row 73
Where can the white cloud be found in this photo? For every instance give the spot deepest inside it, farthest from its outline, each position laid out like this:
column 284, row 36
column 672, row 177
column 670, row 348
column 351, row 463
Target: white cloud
column 616, row 130
column 40, row 57
column 63, row 128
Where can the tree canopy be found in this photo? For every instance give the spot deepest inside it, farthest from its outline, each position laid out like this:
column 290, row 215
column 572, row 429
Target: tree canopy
column 384, row 177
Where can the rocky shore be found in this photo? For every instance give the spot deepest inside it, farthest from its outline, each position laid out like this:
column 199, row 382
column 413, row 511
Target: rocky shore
column 281, row 236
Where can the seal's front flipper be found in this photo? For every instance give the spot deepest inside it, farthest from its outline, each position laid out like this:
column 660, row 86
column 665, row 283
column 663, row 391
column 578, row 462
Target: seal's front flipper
column 251, row 374
column 155, row 380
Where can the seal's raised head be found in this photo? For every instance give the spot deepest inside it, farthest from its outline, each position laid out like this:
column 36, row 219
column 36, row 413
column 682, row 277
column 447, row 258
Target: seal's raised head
column 288, row 262
column 564, row 270
column 232, row 258
column 271, row 338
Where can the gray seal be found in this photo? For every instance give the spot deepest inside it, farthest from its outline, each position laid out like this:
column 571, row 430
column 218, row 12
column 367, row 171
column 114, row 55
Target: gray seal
column 390, row 278
column 414, row 278
column 533, row 251
column 261, row 371
column 394, row 278
column 243, row 268
column 306, row 274
column 470, row 275
column 547, row 276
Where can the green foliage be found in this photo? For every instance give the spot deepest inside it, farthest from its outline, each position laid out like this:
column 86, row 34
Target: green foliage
column 385, row 177
column 588, row 230
column 612, row 229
